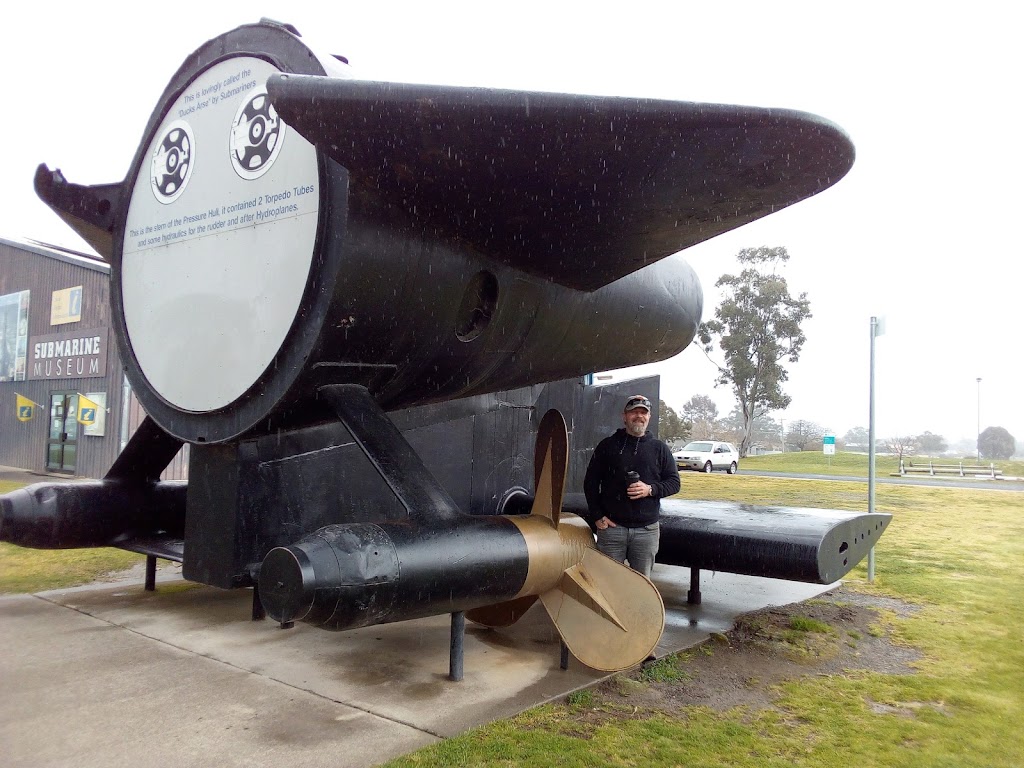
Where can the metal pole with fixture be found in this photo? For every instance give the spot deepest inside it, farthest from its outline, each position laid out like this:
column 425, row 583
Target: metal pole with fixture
column 877, row 329
column 978, row 443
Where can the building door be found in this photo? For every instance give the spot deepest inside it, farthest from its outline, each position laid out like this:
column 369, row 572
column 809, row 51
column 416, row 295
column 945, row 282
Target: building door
column 62, row 443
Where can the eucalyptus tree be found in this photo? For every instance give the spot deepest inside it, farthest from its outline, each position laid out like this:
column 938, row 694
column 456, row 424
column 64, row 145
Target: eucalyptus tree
column 671, row 427
column 931, row 444
column 805, row 435
column 757, row 327
column 702, row 413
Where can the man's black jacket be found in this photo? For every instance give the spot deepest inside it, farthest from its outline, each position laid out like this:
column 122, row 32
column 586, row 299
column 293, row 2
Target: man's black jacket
column 605, row 482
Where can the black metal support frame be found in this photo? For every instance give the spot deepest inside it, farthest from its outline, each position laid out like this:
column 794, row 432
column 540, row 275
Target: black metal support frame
column 258, row 611
column 150, row 573
column 693, row 594
column 456, row 649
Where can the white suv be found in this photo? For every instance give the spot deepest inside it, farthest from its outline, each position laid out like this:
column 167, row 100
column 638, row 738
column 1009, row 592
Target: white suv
column 707, row 456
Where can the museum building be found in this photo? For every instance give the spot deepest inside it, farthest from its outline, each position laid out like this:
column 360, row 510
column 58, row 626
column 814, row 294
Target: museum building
column 65, row 404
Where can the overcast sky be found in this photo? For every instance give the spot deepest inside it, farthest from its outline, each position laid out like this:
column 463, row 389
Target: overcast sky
column 922, row 230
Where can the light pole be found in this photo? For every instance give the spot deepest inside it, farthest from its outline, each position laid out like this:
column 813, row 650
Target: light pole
column 877, row 329
column 783, row 423
column 978, row 444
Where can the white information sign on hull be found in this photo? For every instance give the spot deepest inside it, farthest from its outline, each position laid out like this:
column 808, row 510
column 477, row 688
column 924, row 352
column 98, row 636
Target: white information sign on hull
column 219, row 238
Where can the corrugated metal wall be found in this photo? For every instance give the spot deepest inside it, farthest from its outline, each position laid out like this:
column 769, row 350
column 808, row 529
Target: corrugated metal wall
column 42, row 271
column 178, row 468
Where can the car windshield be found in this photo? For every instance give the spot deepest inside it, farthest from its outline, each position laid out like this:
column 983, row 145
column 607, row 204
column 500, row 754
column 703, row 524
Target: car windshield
column 703, row 447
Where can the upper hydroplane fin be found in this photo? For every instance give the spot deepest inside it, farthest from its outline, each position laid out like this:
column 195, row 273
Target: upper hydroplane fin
column 581, row 190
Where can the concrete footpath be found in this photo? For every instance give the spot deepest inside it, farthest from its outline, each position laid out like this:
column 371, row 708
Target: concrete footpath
column 112, row 675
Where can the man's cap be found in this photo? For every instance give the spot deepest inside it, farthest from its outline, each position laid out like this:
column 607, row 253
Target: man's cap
column 637, row 401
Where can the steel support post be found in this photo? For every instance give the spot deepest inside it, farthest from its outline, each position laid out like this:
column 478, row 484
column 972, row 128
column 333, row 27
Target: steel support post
column 457, row 646
column 150, row 573
column 693, row 595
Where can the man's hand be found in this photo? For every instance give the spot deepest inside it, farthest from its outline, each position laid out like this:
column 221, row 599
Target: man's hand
column 638, row 490
column 603, row 523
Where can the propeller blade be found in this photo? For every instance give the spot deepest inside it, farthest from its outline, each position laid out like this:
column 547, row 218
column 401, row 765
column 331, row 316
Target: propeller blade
column 615, row 621
column 579, row 585
column 550, row 460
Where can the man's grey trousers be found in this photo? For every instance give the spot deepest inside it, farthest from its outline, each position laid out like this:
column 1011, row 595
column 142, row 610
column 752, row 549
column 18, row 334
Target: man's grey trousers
column 637, row 545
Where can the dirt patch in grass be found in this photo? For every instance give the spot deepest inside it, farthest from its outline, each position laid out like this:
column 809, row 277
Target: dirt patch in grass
column 838, row 633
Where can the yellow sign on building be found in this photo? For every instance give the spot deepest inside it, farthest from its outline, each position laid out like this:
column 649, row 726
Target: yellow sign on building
column 66, row 306
column 25, row 408
column 86, row 410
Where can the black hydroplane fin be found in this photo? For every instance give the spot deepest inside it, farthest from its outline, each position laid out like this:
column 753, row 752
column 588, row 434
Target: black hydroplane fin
column 581, row 190
column 89, row 210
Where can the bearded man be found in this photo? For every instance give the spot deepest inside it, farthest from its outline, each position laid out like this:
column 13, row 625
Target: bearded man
column 628, row 474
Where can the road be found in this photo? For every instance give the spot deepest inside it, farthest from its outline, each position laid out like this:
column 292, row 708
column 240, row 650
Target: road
column 975, row 483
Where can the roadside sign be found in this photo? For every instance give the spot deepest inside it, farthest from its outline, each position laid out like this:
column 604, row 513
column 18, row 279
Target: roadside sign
column 828, row 444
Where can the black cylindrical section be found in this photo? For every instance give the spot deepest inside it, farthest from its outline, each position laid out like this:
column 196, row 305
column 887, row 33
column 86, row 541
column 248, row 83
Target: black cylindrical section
column 343, row 575
column 89, row 513
column 357, row 575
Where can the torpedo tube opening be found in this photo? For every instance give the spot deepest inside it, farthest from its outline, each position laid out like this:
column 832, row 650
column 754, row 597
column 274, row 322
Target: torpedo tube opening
column 477, row 306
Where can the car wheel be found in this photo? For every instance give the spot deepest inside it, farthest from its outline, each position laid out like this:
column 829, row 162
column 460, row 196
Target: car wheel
column 732, row 468
column 707, row 468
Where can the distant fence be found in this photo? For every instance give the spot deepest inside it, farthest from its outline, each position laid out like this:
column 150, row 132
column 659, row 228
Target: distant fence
column 961, row 469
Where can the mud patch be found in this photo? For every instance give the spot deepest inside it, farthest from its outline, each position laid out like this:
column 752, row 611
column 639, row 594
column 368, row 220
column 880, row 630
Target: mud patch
column 837, row 633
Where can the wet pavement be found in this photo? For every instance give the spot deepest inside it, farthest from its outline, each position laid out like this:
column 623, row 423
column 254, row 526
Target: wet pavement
column 29, row 477
column 112, row 675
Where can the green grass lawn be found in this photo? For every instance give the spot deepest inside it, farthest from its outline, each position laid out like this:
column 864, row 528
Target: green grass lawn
column 35, row 570
column 957, row 553
column 816, row 463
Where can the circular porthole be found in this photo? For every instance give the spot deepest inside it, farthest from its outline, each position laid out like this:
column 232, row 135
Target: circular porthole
column 477, row 306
